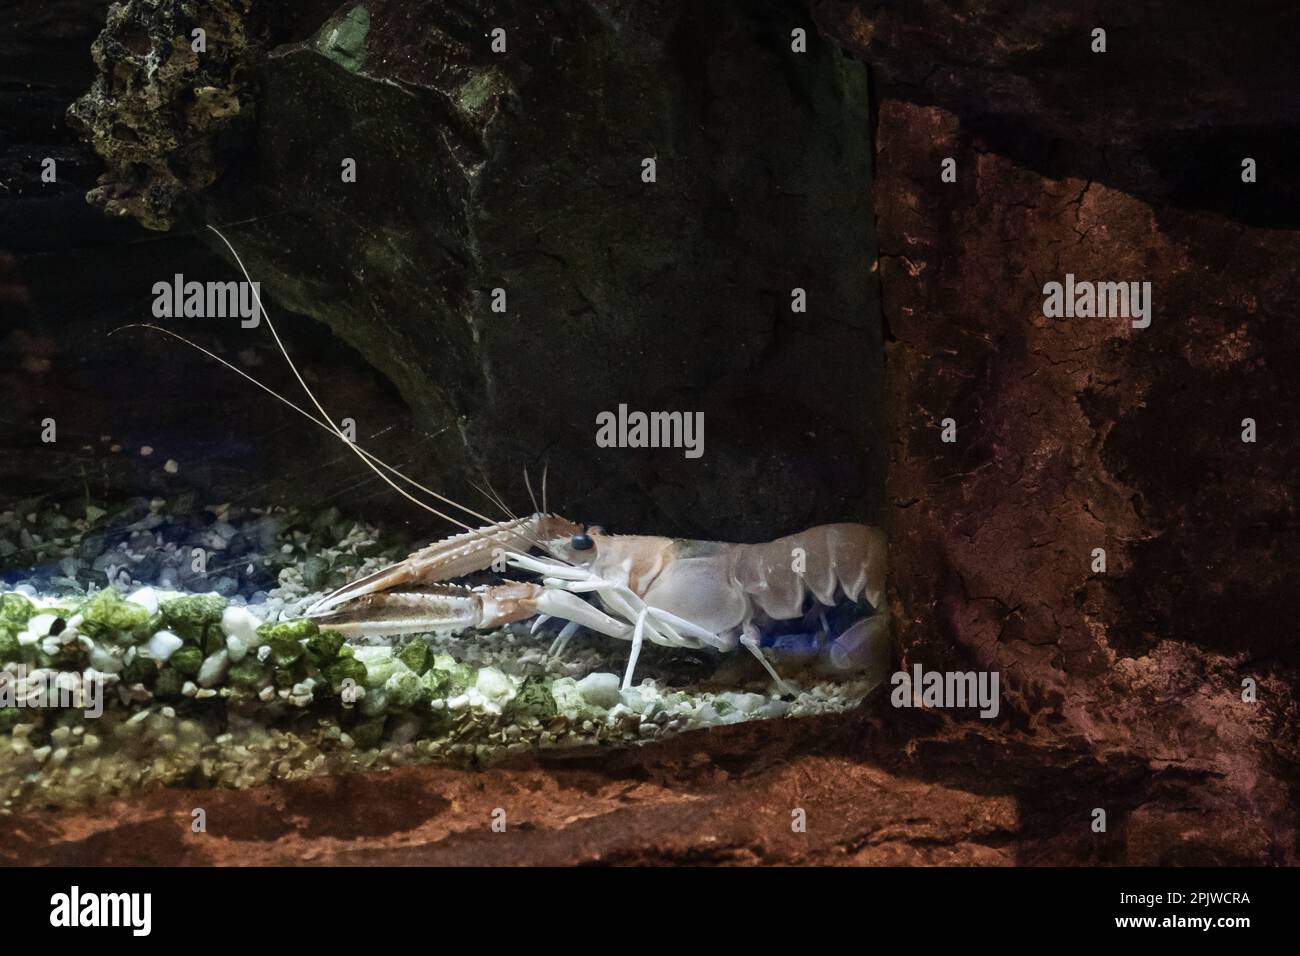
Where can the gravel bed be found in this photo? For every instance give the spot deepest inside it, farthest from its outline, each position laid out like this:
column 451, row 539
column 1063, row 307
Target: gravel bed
column 208, row 679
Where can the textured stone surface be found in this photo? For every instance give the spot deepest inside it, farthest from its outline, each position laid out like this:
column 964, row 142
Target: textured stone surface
column 1181, row 94
column 1082, row 433
column 85, row 274
column 150, row 72
column 522, row 170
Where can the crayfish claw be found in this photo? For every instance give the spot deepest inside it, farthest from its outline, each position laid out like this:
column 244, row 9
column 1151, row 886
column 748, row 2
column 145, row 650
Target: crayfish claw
column 443, row 608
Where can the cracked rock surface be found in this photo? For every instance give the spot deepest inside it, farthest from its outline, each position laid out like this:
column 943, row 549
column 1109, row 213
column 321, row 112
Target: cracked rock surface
column 1077, row 434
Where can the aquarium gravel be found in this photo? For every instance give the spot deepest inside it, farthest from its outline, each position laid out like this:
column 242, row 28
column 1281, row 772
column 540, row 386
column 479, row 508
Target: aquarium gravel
column 203, row 686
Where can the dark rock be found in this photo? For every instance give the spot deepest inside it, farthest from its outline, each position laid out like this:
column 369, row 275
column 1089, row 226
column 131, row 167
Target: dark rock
column 225, row 585
column 80, row 277
column 1074, row 434
column 146, row 569
column 1181, row 95
column 522, row 171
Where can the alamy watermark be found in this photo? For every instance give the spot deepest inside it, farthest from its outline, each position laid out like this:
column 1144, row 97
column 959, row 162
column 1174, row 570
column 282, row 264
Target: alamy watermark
column 1103, row 300
column 75, row 908
column 626, row 429
column 208, row 300
column 45, row 688
column 947, row 689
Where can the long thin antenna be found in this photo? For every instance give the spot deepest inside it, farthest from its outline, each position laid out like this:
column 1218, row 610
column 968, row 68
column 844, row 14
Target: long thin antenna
column 369, row 460
column 320, row 408
column 493, row 499
column 373, row 459
column 494, row 496
column 529, row 485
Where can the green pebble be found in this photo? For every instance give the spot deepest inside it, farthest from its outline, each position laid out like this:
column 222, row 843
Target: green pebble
column 10, row 649
column 345, row 668
column 248, row 674
column 285, row 651
column 446, row 678
column 187, row 661
column 381, row 667
column 368, row 733
column 150, row 628
column 404, row 689
column 192, row 616
column 107, row 616
column 437, row 682
column 415, row 655
column 214, row 642
column 534, row 700
column 16, row 609
column 286, row 675
column 298, row 630
column 141, row 670
column 168, row 683
column 324, row 647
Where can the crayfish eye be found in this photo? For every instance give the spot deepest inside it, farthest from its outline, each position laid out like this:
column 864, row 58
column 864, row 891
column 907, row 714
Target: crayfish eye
column 581, row 542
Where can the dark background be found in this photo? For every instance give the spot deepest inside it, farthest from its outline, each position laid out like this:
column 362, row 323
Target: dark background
column 667, row 297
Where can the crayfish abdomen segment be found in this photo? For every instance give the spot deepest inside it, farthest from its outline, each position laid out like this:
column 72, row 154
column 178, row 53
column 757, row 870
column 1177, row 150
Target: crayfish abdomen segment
column 828, row 561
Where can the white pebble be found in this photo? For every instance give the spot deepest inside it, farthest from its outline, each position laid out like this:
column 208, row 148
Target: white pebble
column 171, row 467
column 238, row 622
column 746, row 704
column 147, row 598
column 492, row 690
column 102, row 660
column 163, row 645
column 146, row 451
column 213, row 669
column 567, row 699
column 39, row 624
column 600, row 690
column 493, row 684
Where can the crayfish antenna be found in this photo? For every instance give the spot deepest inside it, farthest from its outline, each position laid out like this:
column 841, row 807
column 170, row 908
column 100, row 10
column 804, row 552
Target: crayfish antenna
column 321, row 408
